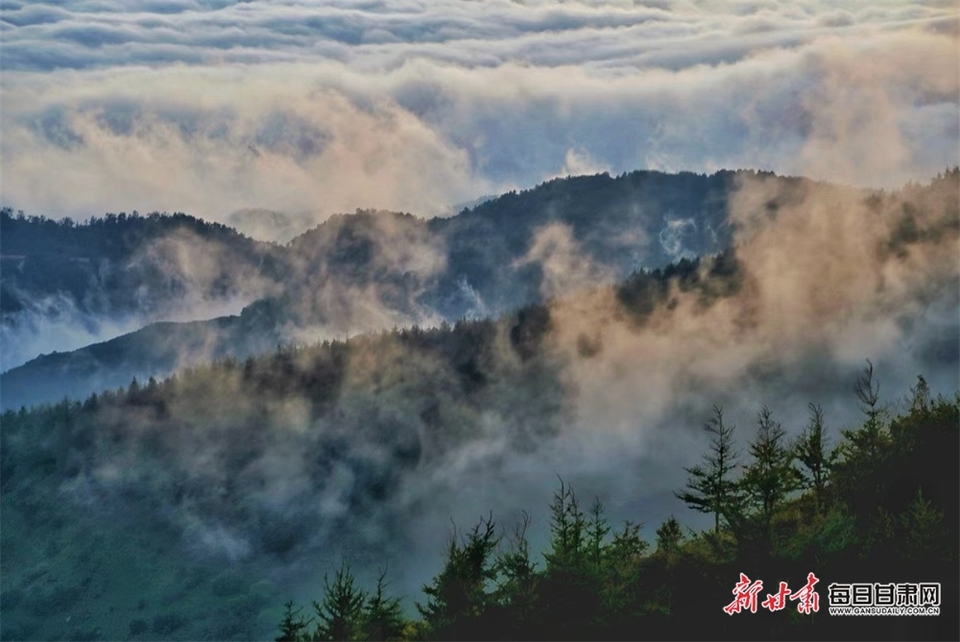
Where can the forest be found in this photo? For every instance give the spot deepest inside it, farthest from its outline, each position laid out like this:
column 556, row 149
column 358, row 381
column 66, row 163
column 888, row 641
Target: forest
column 879, row 506
column 354, row 273
column 385, row 475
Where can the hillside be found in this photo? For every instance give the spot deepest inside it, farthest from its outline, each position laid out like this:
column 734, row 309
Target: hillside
column 61, row 281
column 194, row 506
column 355, row 273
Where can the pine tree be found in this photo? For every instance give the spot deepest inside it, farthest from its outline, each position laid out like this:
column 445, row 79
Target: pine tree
column 864, row 452
column 568, row 527
column 770, row 477
column 457, row 599
column 812, row 452
column 293, row 627
column 340, row 615
column 870, row 439
column 517, row 591
column 570, row 592
column 922, row 528
column 383, row 616
column 710, row 488
column 621, row 574
column 669, row 536
column 597, row 532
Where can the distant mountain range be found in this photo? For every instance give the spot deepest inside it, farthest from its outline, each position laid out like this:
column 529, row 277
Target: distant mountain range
column 353, row 273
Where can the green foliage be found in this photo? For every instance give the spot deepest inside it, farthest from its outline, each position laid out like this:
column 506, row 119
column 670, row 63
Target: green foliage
column 518, row 586
column 923, row 530
column 710, row 487
column 383, row 615
column 569, row 528
column 669, row 536
column 866, row 446
column 597, row 531
column 812, row 451
column 293, row 627
column 770, row 477
column 340, row 616
column 460, row 596
column 620, row 575
column 601, row 583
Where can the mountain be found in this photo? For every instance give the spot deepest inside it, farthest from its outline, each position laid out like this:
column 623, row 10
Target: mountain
column 193, row 506
column 363, row 272
column 122, row 263
column 63, row 284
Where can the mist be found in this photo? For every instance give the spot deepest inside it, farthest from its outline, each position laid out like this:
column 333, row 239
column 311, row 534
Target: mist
column 66, row 286
column 375, row 427
column 366, row 450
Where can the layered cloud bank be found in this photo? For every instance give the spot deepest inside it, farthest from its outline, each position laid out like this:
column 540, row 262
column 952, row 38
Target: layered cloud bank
column 311, row 109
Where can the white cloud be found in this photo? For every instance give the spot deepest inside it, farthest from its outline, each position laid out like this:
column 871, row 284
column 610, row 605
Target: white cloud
column 210, row 107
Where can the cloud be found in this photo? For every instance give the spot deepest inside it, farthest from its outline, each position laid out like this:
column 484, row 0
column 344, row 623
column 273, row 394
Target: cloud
column 825, row 282
column 565, row 266
column 212, row 108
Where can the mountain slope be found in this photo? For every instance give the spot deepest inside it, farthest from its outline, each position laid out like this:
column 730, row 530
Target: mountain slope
column 62, row 282
column 354, row 273
column 283, row 465
column 377, row 270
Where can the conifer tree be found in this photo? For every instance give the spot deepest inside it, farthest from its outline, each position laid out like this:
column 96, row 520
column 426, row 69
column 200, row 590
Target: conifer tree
column 383, row 616
column 869, row 439
column 923, row 532
column 770, row 477
column 340, row 615
column 620, row 577
column 597, row 532
column 863, row 453
column 293, row 627
column 457, row 599
column 669, row 536
column 517, row 591
column 570, row 591
column 812, row 452
column 568, row 527
column 710, row 487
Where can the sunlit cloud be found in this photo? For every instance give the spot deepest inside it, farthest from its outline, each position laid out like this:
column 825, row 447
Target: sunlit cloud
column 212, row 108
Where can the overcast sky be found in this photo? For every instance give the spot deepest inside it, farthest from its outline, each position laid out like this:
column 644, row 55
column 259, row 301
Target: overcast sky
column 210, row 107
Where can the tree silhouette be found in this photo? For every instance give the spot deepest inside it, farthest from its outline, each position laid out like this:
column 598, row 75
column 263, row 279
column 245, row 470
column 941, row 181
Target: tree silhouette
column 710, row 488
column 293, row 627
column 770, row 477
column 382, row 616
column 340, row 614
column 813, row 453
column 458, row 597
column 669, row 536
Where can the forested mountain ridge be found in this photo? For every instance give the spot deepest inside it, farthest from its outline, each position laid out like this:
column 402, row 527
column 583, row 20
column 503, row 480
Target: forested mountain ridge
column 118, row 263
column 366, row 271
column 65, row 285
column 384, row 411
column 184, row 504
column 115, row 263
column 373, row 270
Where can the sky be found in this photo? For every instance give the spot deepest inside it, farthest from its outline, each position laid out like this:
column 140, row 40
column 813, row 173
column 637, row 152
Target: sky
column 217, row 108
